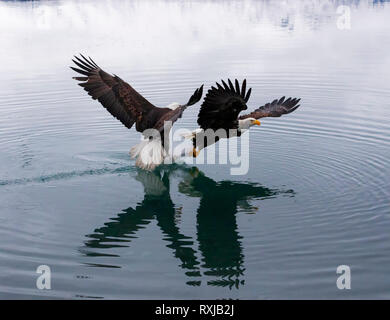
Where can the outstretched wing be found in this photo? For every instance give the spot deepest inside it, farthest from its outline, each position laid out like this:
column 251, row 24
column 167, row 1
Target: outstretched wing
column 116, row 95
column 222, row 105
column 197, row 95
column 173, row 115
column 274, row 109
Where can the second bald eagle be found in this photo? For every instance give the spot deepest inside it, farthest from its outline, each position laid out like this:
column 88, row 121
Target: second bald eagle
column 220, row 110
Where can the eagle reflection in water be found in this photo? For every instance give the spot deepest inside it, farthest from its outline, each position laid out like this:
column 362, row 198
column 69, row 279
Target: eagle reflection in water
column 219, row 241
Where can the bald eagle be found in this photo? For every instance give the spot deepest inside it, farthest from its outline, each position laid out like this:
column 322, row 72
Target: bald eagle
column 129, row 107
column 220, row 110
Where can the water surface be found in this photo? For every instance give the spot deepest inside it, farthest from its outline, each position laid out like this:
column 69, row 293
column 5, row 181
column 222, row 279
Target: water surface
column 317, row 192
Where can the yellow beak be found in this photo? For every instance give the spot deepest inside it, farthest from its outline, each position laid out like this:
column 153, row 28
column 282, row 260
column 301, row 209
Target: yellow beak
column 257, row 122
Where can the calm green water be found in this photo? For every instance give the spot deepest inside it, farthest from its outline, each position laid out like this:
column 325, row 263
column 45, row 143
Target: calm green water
column 317, row 192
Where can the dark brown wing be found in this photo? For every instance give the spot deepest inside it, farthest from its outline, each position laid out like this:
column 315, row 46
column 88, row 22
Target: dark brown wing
column 222, row 105
column 274, row 109
column 170, row 115
column 116, row 95
column 173, row 115
column 196, row 96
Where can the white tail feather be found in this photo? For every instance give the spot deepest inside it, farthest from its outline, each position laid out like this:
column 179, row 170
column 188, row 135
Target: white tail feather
column 134, row 151
column 149, row 154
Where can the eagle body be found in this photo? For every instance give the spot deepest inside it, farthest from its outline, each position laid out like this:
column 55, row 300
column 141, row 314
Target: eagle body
column 124, row 103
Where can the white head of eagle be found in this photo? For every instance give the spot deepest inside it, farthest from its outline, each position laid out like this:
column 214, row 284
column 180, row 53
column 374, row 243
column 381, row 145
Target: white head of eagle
column 247, row 123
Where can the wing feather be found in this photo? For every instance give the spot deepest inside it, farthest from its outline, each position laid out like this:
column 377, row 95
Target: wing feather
column 116, row 95
column 174, row 115
column 222, row 105
column 276, row 108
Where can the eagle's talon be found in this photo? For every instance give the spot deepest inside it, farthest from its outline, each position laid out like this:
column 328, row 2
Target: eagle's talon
column 194, row 153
